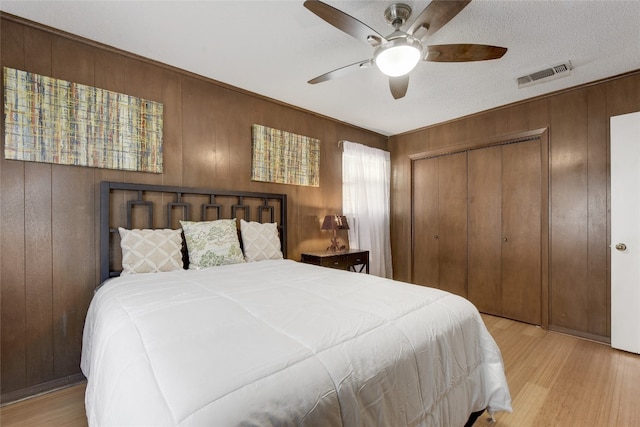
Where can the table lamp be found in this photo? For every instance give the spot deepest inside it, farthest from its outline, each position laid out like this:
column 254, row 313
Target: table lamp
column 335, row 222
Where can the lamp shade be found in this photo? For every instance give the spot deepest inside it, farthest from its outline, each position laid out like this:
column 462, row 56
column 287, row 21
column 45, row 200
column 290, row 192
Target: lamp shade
column 335, row 222
column 398, row 57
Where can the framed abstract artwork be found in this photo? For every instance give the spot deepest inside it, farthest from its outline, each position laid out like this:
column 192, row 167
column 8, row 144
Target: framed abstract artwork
column 284, row 157
column 57, row 121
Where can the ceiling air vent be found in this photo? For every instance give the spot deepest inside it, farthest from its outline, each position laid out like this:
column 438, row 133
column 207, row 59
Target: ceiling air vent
column 552, row 73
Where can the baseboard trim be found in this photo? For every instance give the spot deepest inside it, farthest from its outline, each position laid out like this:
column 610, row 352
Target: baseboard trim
column 580, row 334
column 42, row 388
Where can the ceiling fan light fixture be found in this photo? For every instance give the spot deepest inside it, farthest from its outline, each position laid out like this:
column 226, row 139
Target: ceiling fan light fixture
column 398, row 57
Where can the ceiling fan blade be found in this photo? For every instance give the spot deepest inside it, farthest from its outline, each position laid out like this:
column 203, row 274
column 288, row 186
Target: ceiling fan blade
column 436, row 15
column 344, row 22
column 339, row 72
column 463, row 52
column 399, row 86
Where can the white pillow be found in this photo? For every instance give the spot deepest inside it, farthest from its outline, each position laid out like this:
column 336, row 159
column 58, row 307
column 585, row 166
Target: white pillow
column 212, row 243
column 150, row 251
column 260, row 241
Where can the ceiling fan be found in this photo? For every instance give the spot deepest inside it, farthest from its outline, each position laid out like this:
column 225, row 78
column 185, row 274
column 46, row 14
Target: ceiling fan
column 399, row 52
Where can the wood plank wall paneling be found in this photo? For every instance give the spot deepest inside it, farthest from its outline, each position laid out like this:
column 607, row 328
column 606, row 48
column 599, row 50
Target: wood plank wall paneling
column 569, row 217
column 71, row 223
column 38, row 276
column 12, row 246
column 49, row 265
column 401, row 201
column 598, row 314
column 199, row 132
column 579, row 223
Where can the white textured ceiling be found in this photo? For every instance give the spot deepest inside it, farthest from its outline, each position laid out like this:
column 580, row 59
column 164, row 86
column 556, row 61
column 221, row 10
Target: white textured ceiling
column 273, row 48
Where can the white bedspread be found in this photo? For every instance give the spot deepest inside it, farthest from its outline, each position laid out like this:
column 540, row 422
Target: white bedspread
column 280, row 343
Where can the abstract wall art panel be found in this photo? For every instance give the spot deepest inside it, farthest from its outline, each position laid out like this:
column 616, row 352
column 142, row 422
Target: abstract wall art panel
column 56, row 121
column 284, row 157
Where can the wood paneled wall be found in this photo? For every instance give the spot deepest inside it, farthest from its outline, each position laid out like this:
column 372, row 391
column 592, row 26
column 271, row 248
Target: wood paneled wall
column 578, row 124
column 49, row 262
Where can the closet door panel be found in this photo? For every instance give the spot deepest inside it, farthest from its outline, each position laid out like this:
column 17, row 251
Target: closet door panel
column 425, row 223
column 452, row 220
column 485, row 229
column 521, row 227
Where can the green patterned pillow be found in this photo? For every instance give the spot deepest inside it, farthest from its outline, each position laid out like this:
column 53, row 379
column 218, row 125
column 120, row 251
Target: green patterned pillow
column 212, row 243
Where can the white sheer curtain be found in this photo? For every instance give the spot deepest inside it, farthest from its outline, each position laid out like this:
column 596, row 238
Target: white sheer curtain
column 365, row 203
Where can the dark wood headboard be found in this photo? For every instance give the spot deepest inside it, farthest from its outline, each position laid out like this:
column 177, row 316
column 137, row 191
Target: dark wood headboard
column 158, row 206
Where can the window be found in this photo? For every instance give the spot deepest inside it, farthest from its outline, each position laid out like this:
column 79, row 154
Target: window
column 365, row 203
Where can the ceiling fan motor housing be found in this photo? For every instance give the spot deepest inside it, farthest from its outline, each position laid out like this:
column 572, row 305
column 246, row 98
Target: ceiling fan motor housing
column 397, row 14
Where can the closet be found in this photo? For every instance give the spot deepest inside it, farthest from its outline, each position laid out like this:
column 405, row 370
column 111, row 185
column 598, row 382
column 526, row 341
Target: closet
column 477, row 232
column 440, row 223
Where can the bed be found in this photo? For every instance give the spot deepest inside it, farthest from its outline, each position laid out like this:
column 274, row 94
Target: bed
column 274, row 342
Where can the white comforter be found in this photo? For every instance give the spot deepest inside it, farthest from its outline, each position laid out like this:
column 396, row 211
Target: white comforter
column 282, row 343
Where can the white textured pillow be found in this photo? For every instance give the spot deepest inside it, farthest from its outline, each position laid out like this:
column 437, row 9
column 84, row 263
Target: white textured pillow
column 212, row 243
column 260, row 241
column 150, row 251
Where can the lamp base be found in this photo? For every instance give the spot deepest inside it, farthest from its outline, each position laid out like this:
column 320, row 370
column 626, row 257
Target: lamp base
column 335, row 245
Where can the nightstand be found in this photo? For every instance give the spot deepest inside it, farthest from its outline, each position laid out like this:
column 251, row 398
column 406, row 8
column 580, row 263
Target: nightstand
column 351, row 260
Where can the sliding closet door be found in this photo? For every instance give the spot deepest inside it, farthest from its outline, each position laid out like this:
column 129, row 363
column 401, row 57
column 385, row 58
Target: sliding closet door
column 452, row 219
column 485, row 229
column 477, row 227
column 504, row 230
column 426, row 269
column 521, row 228
column 440, row 222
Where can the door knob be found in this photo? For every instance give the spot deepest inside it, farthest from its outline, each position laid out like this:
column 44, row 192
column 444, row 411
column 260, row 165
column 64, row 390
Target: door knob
column 621, row 247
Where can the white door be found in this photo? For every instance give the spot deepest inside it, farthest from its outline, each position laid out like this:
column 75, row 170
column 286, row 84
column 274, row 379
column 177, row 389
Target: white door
column 625, row 232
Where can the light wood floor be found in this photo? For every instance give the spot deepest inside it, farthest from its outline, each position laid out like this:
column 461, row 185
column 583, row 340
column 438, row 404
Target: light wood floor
column 558, row 380
column 555, row 380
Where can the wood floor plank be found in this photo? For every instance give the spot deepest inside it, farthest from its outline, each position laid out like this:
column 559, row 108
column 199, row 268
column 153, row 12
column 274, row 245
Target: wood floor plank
column 60, row 408
column 628, row 413
column 527, row 405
